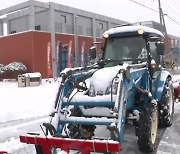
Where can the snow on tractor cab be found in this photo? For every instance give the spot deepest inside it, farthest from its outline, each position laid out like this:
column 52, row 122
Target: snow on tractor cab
column 128, row 84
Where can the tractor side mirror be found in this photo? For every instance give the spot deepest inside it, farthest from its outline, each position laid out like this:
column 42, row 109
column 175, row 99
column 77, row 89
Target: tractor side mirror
column 92, row 52
column 160, row 48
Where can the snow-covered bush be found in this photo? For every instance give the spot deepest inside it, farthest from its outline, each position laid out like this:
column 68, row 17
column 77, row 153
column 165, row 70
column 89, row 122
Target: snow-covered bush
column 15, row 66
column 12, row 70
column 1, row 68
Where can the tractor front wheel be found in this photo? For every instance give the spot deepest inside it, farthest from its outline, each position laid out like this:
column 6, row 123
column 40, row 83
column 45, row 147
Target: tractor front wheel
column 148, row 128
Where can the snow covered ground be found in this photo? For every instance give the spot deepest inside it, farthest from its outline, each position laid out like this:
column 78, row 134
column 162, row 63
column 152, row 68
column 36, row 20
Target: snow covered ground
column 22, row 110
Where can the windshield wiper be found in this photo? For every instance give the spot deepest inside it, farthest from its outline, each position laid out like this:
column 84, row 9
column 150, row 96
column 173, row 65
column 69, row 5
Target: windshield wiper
column 103, row 62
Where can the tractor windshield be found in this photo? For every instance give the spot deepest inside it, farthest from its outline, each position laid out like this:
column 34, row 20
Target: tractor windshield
column 125, row 49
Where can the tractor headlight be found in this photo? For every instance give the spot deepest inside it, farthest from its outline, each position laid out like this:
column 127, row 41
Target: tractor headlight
column 140, row 31
column 106, row 35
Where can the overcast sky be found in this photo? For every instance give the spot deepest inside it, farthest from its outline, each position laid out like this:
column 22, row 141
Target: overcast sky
column 125, row 10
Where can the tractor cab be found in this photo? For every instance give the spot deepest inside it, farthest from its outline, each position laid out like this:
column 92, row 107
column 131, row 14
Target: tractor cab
column 132, row 45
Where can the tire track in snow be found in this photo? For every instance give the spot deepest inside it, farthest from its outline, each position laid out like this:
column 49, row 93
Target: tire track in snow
column 19, row 127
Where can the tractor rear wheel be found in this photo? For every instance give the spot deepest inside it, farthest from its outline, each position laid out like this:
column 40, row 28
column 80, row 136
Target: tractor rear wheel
column 166, row 106
column 148, row 128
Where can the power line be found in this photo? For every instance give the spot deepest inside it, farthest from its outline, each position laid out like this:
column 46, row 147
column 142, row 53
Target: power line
column 172, row 4
column 171, row 9
column 144, row 6
column 154, row 11
column 173, row 20
column 177, row 3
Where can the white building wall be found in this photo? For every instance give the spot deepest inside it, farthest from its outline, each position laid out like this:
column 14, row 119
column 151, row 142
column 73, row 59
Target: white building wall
column 1, row 28
column 64, row 22
column 42, row 19
column 18, row 24
column 19, row 21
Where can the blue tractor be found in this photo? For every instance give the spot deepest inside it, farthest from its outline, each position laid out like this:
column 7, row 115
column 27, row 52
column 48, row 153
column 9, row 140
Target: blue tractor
column 126, row 85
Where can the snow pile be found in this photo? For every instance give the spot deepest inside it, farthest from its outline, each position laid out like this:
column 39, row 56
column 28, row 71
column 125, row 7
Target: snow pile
column 21, row 103
column 102, row 79
column 9, row 145
column 175, row 80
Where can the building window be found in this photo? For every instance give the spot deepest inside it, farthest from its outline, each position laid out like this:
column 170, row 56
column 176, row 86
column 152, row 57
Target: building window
column 38, row 27
column 63, row 19
column 101, row 26
column 12, row 32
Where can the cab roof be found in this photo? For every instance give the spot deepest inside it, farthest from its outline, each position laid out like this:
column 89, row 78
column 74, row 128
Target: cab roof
column 132, row 30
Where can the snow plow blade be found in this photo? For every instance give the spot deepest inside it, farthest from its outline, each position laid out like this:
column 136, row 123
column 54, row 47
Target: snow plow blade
column 67, row 144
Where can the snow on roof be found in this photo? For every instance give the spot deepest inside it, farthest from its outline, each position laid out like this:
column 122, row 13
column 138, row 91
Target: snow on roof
column 124, row 29
column 33, row 75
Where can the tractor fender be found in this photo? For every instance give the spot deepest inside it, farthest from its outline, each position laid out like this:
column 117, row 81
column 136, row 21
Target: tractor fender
column 160, row 79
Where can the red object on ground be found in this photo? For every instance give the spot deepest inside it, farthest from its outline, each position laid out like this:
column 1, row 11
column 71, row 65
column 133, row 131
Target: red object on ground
column 66, row 144
column 3, row 152
column 177, row 92
column 178, row 88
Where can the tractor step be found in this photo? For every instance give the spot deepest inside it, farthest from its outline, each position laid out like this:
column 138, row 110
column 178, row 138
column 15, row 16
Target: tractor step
column 67, row 144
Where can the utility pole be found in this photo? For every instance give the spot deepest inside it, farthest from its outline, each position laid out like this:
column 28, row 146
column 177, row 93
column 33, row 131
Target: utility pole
column 160, row 11
column 162, row 21
column 167, row 41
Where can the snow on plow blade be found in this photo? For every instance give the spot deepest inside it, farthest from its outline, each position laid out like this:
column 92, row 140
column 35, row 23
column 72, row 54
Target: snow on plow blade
column 67, row 144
